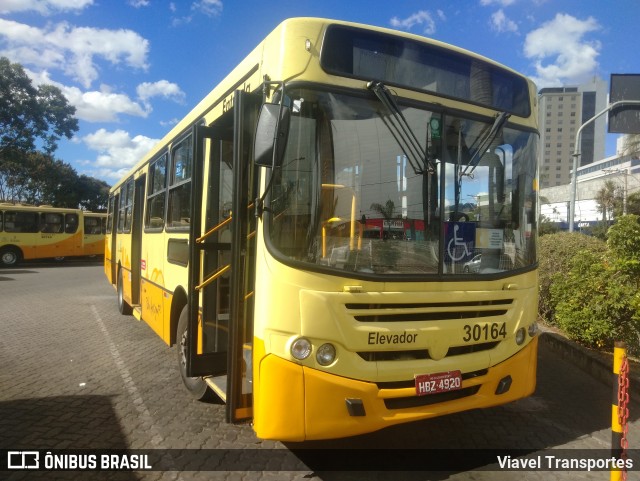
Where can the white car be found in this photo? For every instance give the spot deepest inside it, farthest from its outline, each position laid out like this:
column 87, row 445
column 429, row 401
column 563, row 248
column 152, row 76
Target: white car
column 473, row 265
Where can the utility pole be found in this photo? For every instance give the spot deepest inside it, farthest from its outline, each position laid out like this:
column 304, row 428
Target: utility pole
column 576, row 156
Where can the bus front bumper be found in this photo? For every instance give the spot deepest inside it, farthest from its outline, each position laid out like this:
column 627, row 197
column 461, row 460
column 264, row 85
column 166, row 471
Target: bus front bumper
column 295, row 403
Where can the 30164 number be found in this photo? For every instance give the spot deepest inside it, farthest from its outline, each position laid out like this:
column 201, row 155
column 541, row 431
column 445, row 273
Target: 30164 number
column 484, row 332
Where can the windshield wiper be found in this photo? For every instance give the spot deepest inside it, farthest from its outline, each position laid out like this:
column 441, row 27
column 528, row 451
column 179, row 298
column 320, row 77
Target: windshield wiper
column 402, row 131
column 484, row 142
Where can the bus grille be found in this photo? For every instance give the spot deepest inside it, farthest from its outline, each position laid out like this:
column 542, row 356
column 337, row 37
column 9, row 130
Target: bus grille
column 432, row 311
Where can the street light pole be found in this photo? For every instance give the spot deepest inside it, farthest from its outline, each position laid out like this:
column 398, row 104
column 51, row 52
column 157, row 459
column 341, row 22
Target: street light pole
column 576, row 157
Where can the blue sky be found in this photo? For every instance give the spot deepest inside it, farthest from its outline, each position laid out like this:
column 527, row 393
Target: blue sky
column 133, row 67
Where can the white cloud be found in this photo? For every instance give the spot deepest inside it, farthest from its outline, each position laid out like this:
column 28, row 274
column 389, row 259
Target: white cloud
column 96, row 105
column 161, row 88
column 170, row 123
column 72, row 49
column 117, row 150
column 103, row 105
column 560, row 52
column 43, row 7
column 503, row 3
column 500, row 22
column 421, row 17
column 211, row 8
column 139, row 3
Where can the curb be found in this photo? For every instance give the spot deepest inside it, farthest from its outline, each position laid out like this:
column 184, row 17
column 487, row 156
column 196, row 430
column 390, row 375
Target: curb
column 598, row 364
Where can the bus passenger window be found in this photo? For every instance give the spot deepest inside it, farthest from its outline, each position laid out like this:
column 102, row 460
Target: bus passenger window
column 91, row 225
column 157, row 190
column 179, row 215
column 51, row 223
column 71, row 223
column 26, row 222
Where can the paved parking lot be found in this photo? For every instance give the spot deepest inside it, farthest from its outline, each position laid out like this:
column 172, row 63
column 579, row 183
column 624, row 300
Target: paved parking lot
column 75, row 374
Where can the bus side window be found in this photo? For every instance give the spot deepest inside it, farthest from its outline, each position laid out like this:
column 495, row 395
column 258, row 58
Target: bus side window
column 51, row 223
column 26, row 222
column 156, row 194
column 91, row 225
column 71, row 223
column 179, row 214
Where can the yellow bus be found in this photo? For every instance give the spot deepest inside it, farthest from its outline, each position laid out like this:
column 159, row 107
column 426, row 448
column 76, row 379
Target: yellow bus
column 39, row 232
column 342, row 235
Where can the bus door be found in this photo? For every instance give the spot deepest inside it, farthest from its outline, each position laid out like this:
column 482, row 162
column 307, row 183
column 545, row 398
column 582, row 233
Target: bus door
column 136, row 237
column 114, row 202
column 222, row 263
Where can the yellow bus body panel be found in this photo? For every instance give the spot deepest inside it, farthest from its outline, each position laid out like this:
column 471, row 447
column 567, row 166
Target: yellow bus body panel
column 151, row 303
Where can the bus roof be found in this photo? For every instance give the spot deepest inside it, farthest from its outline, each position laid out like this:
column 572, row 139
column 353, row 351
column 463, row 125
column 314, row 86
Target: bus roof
column 292, row 28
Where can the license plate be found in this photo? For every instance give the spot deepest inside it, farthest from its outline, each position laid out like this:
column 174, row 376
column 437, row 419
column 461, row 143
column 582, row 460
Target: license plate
column 438, row 382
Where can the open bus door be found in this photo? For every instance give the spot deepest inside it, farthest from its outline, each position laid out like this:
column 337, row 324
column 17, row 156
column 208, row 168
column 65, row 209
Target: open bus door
column 222, row 259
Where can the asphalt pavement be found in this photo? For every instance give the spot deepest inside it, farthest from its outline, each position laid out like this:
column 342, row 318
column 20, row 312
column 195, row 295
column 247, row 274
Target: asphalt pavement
column 77, row 377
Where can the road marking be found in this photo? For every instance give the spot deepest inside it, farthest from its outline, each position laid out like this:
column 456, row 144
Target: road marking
column 138, row 402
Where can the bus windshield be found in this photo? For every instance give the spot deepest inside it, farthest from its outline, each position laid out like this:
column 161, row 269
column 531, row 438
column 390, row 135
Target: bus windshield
column 349, row 197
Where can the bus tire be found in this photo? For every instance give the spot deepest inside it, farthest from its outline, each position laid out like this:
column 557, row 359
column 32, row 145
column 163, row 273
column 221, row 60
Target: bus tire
column 123, row 307
column 10, row 256
column 195, row 385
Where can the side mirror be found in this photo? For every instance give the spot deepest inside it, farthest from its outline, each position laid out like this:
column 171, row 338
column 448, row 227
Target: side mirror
column 271, row 135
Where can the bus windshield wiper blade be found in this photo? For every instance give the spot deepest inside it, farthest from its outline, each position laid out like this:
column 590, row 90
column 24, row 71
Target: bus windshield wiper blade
column 485, row 142
column 401, row 130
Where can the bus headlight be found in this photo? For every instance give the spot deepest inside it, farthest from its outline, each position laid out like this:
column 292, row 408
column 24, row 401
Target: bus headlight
column 533, row 329
column 326, row 354
column 520, row 336
column 301, row 348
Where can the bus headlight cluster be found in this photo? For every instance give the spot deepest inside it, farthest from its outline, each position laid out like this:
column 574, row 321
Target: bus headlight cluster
column 326, row 354
column 301, row 348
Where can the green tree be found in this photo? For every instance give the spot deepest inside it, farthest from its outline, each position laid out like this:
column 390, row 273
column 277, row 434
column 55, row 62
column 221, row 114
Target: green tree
column 37, row 178
column 93, row 194
column 606, row 199
column 30, row 116
column 631, row 144
column 387, row 211
column 633, row 203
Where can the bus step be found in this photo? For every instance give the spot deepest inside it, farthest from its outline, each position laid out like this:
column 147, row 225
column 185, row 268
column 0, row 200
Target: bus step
column 219, row 385
column 137, row 312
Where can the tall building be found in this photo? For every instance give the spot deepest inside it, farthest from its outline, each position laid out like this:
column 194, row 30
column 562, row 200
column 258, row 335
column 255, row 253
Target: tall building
column 562, row 110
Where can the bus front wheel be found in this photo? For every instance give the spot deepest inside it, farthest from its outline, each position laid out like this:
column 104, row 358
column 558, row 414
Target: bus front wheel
column 195, row 385
column 10, row 256
column 123, row 307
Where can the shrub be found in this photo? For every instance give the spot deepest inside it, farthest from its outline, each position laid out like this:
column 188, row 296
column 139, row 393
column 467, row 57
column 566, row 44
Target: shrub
column 624, row 243
column 596, row 303
column 556, row 252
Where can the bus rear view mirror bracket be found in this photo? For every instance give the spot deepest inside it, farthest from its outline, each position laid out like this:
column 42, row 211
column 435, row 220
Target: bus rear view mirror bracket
column 271, row 135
